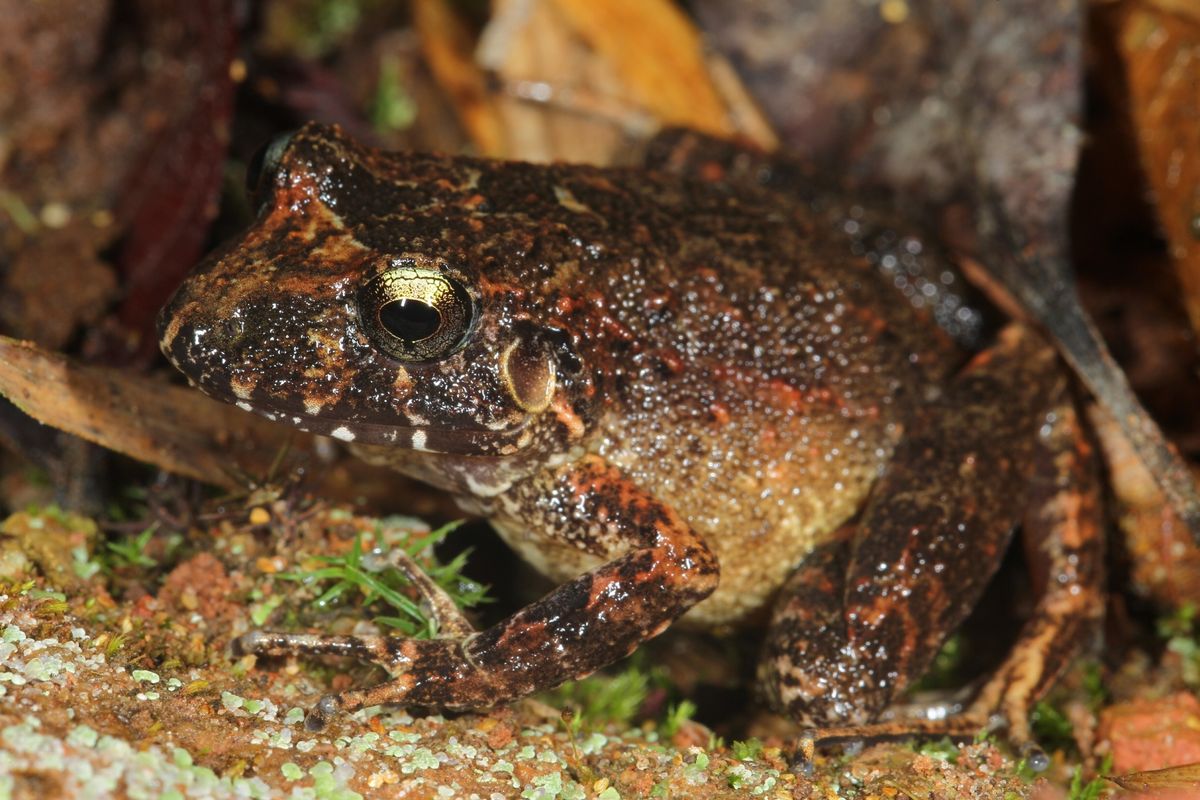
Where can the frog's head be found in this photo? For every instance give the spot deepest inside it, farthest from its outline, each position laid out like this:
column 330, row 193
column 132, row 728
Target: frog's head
column 370, row 302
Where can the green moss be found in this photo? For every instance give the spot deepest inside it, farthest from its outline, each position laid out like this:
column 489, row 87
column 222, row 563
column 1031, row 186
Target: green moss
column 605, row 698
column 351, row 575
column 677, row 715
column 748, row 750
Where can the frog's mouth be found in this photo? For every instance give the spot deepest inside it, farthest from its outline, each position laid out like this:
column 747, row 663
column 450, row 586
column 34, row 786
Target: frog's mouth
column 498, row 442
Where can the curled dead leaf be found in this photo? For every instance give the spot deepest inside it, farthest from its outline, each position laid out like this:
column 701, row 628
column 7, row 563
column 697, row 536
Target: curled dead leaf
column 1160, row 46
column 1184, row 778
column 172, row 427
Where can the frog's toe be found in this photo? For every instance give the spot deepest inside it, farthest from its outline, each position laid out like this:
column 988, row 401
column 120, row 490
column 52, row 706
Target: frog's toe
column 1035, row 757
column 326, row 709
column 255, row 642
column 271, row 643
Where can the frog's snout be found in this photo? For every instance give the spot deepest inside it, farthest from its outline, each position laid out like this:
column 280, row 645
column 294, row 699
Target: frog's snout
column 197, row 344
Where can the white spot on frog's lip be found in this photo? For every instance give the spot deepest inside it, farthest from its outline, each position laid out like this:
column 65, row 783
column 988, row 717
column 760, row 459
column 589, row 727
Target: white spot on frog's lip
column 343, row 433
column 480, row 489
column 418, row 441
column 243, row 405
column 312, row 407
column 242, row 389
column 296, row 420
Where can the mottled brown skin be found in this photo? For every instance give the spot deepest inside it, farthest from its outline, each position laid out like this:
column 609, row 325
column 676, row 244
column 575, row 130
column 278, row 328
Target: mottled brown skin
column 676, row 385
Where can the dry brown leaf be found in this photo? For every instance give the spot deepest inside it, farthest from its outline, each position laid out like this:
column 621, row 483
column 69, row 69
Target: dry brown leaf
column 658, row 54
column 1160, row 45
column 449, row 50
column 1164, row 561
column 1185, row 778
column 177, row 429
column 1184, row 8
column 531, row 47
column 577, row 80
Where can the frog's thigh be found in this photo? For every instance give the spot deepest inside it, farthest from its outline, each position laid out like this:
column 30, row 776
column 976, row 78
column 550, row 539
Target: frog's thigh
column 928, row 541
column 581, row 626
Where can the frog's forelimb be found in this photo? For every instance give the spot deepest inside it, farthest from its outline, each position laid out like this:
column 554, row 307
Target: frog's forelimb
column 581, row 626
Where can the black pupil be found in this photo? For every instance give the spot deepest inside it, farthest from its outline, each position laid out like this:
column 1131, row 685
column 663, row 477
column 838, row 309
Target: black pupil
column 410, row 320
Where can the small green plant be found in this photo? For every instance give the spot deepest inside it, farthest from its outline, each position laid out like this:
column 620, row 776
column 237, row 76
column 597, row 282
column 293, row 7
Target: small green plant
column 602, row 699
column 314, row 28
column 114, row 645
column 1094, row 789
column 131, row 551
column 1093, row 684
column 1051, row 727
column 677, row 715
column 943, row 673
column 129, row 504
column 748, row 750
column 1179, row 630
column 943, row 749
column 353, row 573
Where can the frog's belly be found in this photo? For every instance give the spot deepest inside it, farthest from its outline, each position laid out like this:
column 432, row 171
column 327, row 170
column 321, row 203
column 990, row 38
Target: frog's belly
column 756, row 556
column 761, row 498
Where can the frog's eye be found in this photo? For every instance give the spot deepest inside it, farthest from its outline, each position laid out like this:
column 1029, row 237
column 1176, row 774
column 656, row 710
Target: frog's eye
column 263, row 165
column 415, row 314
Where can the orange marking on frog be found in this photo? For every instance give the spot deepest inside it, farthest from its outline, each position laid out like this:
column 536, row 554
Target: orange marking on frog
column 567, row 417
column 782, row 394
column 616, row 329
column 712, row 171
column 670, row 359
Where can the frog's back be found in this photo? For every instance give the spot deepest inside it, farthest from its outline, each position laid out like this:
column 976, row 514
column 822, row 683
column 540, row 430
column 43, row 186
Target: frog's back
column 755, row 372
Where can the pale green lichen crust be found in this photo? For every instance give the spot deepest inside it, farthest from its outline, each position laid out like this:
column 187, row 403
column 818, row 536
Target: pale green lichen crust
column 95, row 703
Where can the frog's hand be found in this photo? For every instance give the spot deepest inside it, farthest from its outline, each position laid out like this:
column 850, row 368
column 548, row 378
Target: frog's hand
column 928, row 541
column 581, row 626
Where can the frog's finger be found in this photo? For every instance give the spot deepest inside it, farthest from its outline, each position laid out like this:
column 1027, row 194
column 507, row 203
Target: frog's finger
column 269, row 643
column 448, row 619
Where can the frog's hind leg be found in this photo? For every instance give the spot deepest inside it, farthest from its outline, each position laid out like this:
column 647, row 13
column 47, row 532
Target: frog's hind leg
column 1064, row 538
column 841, row 649
column 659, row 568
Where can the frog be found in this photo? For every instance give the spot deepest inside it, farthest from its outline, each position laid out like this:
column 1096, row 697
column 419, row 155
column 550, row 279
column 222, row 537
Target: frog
column 699, row 390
